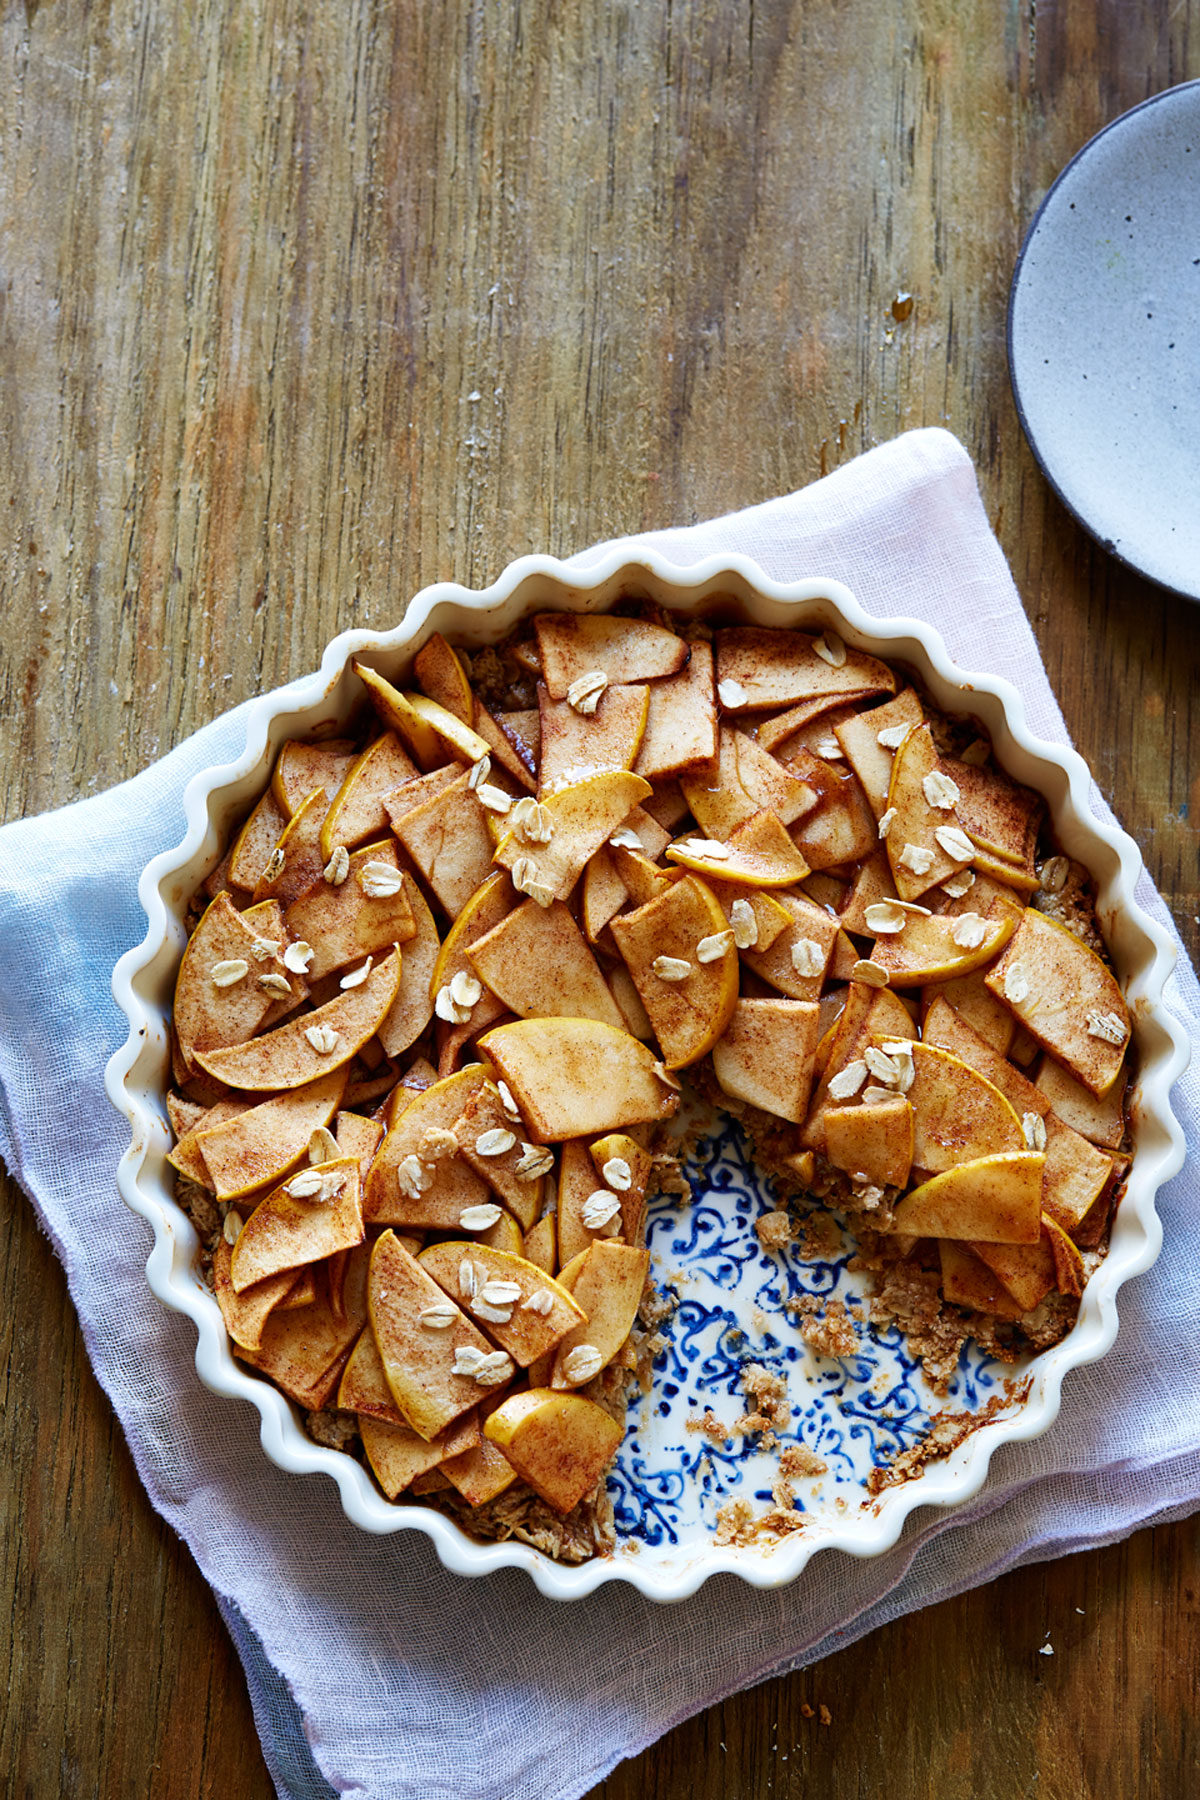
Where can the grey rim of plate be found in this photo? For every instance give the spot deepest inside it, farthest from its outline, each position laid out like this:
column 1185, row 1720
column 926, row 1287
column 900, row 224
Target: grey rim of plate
column 1104, row 338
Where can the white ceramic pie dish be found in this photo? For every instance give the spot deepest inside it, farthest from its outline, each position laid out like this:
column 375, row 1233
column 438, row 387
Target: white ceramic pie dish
column 144, row 978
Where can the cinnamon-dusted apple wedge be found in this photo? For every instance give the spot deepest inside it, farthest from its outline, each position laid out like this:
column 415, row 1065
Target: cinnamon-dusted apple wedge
column 684, row 964
column 758, row 853
column 442, row 678
column 310, row 1216
column 437, row 1363
column 993, row 1200
column 220, row 995
column 254, row 843
column 915, row 950
column 607, row 1287
column 260, row 1144
column 356, row 812
column 412, row 1009
column 870, row 741
column 398, row 1455
column 925, row 842
column 958, row 1116
column 681, row 724
column 491, row 1140
column 1066, row 997
column 744, row 781
column 364, row 913
column 418, row 1177
column 606, row 738
column 760, row 669
column 560, row 1444
column 536, row 960
column 872, row 1142
column 573, row 1077
column 548, row 846
column 397, row 712
column 623, row 1168
column 302, row 766
column 449, row 840
column 305, row 1351
column 765, row 1056
column 482, row 1472
column 524, row 1310
column 575, row 645
column 246, row 1314
column 295, row 1054
column 296, row 861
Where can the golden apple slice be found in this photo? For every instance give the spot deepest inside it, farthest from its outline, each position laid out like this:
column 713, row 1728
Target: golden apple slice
column 997, row 814
column 766, row 1053
column 304, row 1352
column 522, row 729
column 364, row 1386
column 1070, row 1276
column 412, row 1008
column 870, row 760
column 356, row 812
column 574, row 1077
column 990, row 1200
column 418, row 1178
column 1066, row 998
column 944, row 1029
column 604, row 893
column 681, row 955
column 759, row 853
column 492, row 1142
column 536, row 1316
column 642, row 878
column 1026, row 1271
column 681, row 725
column 560, row 1444
column 940, row 947
column 974, row 1001
column 411, row 795
column 302, row 766
column 219, row 999
column 399, row 1456
column 872, row 1142
column 396, row 711
column 353, row 920
column 623, row 650
column 537, row 961
column 841, row 828
column 769, row 915
column 359, row 1138
column 797, row 959
column 441, row 676
column 1101, row 1120
column 456, row 736
column 809, row 725
column 540, row 1245
column 744, row 781
column 1077, row 1173
column 483, row 1472
column 296, row 1054
column 868, row 1012
column 262, row 1143
column 579, row 819
column 251, row 851
column 608, row 1290
column 577, row 1183
column 968, row 1282
column 575, row 744
column 759, row 668
column 958, row 1115
column 624, row 1168
column 502, row 749
column 872, row 886
column 246, row 1314
column 449, row 841
column 187, row 1155
column 313, row 1215
column 925, row 842
column 425, row 1358
column 296, row 860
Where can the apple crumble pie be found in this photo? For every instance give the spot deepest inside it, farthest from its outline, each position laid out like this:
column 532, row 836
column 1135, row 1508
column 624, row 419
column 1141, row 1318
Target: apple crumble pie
column 443, row 993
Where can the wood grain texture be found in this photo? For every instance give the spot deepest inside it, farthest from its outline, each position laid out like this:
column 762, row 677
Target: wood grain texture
column 303, row 307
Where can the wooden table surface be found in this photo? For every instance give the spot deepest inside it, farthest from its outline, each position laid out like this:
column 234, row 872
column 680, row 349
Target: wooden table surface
column 304, row 307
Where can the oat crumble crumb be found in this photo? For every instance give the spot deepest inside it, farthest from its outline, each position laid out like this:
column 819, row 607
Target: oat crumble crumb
column 774, row 1230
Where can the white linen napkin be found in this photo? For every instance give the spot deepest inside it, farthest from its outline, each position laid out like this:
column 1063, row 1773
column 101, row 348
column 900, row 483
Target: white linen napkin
column 372, row 1670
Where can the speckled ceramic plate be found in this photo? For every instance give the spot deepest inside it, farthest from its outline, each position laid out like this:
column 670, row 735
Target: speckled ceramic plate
column 1104, row 337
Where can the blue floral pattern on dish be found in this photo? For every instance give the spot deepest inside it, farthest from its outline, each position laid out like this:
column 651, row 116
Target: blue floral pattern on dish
column 855, row 1412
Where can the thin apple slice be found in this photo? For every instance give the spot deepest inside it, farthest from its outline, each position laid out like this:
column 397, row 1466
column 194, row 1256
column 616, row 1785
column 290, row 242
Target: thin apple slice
column 760, row 668
column 492, row 1142
column 766, row 1053
column 958, row 1116
column 536, row 960
column 296, row 861
column 302, row 766
column 995, row 813
column 758, row 853
column 364, row 1386
column 540, row 1245
column 944, row 1029
column 681, row 955
column 868, row 1012
column 399, row 1456
column 523, row 730
column 973, row 1001
column 356, row 812
column 872, row 1142
column 576, row 745
column 453, row 733
column 1026, row 1270
column 219, row 999
column 1070, row 1276
column 604, row 893
column 484, row 1472
column 577, row 1183
column 442, row 678
column 842, row 827
column 299, row 1053
column 353, row 919
column 246, row 1314
column 990, row 1200
column 817, row 714
column 573, row 1077
column 624, row 1168
column 940, row 947
column 425, row 1358
column 358, row 1137
column 560, row 1444
column 643, row 879
column 925, row 842
column 312, row 1215
column 968, row 1282
column 449, row 841
column 817, row 736
column 872, row 761
column 502, row 749
column 872, row 885
column 1077, row 1173
column 608, row 1291
column 765, row 921
column 412, row 1008
column 681, row 725
column 418, row 1178
column 304, row 1352
column 1066, row 998
column 623, row 650
column 1100, row 1120
column 415, row 793
column 396, row 711
column 796, row 960
column 251, row 851
column 579, row 819
column 539, row 1314
column 262, row 1143
column 744, row 780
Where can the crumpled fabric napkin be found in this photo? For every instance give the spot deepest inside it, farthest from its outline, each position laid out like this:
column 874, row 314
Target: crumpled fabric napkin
column 374, row 1672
